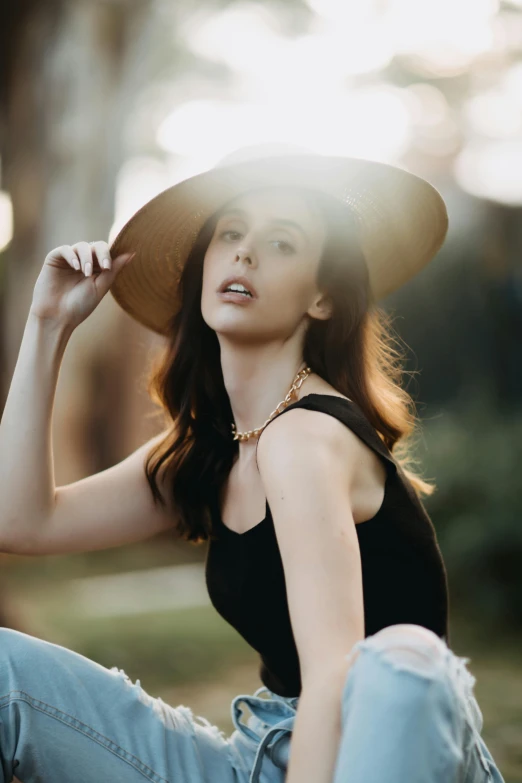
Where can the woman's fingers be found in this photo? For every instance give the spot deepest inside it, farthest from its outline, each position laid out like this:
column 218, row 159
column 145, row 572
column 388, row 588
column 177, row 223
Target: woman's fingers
column 103, row 254
column 90, row 257
column 69, row 255
column 104, row 282
column 84, row 252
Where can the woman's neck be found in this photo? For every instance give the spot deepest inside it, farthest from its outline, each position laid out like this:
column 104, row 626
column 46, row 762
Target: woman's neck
column 256, row 382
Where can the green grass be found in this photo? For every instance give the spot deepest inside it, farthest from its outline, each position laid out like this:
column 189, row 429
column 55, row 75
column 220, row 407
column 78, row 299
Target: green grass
column 161, row 648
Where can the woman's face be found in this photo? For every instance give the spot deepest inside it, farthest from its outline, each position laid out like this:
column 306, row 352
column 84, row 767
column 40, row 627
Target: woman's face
column 273, row 239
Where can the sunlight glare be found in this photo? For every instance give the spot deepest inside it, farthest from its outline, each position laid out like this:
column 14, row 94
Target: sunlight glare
column 138, row 180
column 491, row 169
column 445, row 36
column 6, row 219
column 349, row 125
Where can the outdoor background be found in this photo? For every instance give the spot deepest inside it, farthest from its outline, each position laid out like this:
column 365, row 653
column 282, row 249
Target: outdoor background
column 105, row 103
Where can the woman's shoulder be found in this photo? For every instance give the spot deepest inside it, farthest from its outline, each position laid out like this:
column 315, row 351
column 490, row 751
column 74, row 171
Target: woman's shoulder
column 353, row 426
column 323, row 412
column 314, row 384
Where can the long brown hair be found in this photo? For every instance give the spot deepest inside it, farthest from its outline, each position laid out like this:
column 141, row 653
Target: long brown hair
column 356, row 351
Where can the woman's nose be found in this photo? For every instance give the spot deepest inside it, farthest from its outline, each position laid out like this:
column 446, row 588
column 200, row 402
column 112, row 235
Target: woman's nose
column 245, row 255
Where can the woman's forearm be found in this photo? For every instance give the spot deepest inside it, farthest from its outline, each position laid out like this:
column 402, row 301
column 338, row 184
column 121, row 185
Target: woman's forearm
column 317, row 729
column 26, row 461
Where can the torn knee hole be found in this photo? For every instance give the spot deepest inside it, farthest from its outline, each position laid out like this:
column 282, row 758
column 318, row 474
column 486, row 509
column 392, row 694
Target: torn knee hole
column 412, row 657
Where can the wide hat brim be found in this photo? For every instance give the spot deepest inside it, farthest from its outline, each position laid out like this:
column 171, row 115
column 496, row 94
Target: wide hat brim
column 402, row 220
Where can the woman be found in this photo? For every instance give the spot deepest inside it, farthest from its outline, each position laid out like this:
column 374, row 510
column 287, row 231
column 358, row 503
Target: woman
column 263, row 274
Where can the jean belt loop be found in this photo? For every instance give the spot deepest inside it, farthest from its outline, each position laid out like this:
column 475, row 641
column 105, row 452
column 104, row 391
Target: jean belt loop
column 282, row 727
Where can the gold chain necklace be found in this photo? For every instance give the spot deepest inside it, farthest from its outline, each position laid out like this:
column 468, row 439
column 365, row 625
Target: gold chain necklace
column 298, row 380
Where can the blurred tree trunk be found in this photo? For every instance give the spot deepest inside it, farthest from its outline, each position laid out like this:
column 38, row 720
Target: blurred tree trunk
column 65, row 95
column 502, row 278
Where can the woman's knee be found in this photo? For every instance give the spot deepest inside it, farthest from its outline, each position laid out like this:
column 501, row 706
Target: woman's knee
column 413, row 637
column 14, row 645
column 407, row 645
column 14, row 655
column 9, row 636
column 22, row 659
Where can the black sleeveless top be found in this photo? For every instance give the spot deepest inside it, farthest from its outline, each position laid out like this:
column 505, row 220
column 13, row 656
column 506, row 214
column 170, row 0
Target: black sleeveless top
column 404, row 577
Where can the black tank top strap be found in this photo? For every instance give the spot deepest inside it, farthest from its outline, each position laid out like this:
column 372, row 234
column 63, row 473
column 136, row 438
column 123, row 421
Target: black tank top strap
column 352, row 416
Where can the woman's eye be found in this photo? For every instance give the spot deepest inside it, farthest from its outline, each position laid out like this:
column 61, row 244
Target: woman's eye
column 287, row 244
column 288, row 248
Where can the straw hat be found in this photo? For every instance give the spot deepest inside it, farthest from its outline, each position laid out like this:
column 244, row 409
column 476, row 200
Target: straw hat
column 402, row 221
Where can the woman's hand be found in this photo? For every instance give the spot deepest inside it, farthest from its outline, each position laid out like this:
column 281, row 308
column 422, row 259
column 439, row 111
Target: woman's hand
column 73, row 281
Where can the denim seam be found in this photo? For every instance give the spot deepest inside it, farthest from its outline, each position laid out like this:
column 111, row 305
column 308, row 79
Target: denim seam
column 486, row 763
column 468, row 686
column 83, row 728
column 248, row 741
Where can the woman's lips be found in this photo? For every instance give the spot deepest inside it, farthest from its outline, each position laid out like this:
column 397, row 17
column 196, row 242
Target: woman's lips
column 235, row 297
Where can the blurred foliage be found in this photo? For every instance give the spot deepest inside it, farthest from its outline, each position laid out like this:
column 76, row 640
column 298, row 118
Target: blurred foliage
column 161, row 550
column 474, row 454
column 192, row 645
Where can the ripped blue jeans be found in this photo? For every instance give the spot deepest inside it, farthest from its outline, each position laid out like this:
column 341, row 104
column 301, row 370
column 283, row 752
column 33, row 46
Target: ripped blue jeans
column 408, row 714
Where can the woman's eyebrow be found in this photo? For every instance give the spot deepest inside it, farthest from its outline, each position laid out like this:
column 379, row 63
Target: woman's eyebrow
column 282, row 221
